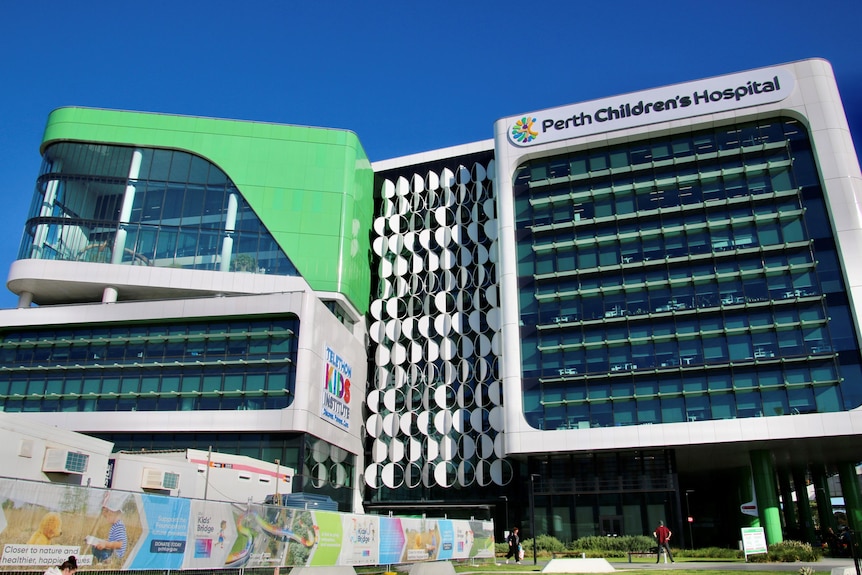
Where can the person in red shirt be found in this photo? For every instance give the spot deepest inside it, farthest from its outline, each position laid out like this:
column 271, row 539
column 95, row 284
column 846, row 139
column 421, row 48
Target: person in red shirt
column 662, row 536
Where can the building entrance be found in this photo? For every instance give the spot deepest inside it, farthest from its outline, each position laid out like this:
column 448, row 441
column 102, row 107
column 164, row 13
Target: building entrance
column 611, row 525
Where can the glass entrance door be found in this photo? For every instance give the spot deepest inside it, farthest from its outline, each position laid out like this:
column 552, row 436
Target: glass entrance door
column 611, row 525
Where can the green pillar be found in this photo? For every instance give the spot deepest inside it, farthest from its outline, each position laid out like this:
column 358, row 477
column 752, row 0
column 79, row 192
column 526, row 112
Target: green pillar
column 763, row 473
column 791, row 525
column 821, row 493
column 746, row 496
column 803, row 506
column 852, row 495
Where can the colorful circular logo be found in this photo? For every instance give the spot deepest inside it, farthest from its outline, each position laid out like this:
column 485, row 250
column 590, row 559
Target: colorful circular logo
column 522, row 131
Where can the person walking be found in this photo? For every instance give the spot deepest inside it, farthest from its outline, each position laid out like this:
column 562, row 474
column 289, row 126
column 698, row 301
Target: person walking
column 662, row 536
column 514, row 541
column 68, row 567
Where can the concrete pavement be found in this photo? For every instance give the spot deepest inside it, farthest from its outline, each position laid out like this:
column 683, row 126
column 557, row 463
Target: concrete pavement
column 826, row 564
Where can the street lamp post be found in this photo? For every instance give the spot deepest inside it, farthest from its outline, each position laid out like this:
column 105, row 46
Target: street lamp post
column 505, row 513
column 533, row 477
column 689, row 518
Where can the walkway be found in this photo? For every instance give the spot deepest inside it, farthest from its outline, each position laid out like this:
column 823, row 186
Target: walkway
column 824, row 565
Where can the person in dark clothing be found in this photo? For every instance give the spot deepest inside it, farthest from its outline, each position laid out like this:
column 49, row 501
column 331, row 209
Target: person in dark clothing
column 514, row 541
column 662, row 536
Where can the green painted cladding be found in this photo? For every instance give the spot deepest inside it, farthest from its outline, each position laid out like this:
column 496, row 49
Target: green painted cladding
column 311, row 187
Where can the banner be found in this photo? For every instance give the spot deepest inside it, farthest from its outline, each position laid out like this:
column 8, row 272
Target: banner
column 41, row 524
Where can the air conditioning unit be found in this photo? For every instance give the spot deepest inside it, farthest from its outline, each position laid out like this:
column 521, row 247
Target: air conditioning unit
column 159, row 479
column 65, row 461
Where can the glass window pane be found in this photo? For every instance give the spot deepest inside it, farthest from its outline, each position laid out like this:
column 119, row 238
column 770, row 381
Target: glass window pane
column 672, row 410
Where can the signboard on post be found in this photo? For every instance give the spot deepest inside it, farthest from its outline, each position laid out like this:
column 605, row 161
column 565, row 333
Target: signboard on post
column 753, row 541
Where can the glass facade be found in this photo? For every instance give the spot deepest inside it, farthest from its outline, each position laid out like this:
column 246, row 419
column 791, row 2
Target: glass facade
column 681, row 278
column 148, row 207
column 228, row 364
column 603, row 493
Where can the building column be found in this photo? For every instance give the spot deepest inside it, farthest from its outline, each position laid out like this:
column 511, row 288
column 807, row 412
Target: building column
column 110, row 294
column 852, row 495
column 25, row 298
column 821, row 492
column 229, row 227
column 763, row 473
column 791, row 525
column 126, row 210
column 803, row 506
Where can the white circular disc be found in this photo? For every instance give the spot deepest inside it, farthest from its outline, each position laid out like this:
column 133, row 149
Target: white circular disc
column 381, row 356
column 445, row 473
column 478, row 419
column 396, row 450
column 432, row 181
column 387, row 189
column 372, row 401
column 498, row 446
column 417, row 184
column 447, row 349
column 432, row 449
column 407, row 421
column 443, row 324
column 447, row 178
column 448, row 448
column 423, row 422
column 377, row 331
column 495, row 418
column 379, row 450
column 461, row 421
column 390, row 424
column 372, row 475
column 402, row 186
column 466, row 473
column 380, row 226
column 478, row 173
column 485, row 447
column 443, row 422
column 494, row 393
column 483, row 473
column 380, row 246
column 392, row 475
column 414, row 449
column 374, row 425
column 412, row 475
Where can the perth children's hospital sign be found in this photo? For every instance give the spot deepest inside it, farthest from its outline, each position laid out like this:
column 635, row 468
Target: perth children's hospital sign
column 336, row 389
column 720, row 94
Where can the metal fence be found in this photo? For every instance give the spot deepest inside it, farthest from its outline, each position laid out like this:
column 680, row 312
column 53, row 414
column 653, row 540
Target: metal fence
column 360, row 569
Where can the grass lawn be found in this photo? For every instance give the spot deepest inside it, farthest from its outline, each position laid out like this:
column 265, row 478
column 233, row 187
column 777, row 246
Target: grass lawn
column 623, row 566
column 528, row 567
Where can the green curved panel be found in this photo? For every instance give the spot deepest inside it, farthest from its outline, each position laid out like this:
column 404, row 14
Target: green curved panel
column 311, row 187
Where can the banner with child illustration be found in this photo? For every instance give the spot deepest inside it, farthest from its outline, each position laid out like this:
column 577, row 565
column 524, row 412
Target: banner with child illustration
column 42, row 524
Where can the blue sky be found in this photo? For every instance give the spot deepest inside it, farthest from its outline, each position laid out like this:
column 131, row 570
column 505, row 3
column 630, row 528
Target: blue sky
column 405, row 76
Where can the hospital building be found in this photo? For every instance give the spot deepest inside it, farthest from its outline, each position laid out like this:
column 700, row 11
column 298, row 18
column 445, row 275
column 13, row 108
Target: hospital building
column 607, row 314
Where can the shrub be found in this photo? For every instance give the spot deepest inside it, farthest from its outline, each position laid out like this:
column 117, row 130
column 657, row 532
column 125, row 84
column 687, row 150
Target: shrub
column 596, row 546
column 787, row 552
column 547, row 543
column 712, row 553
